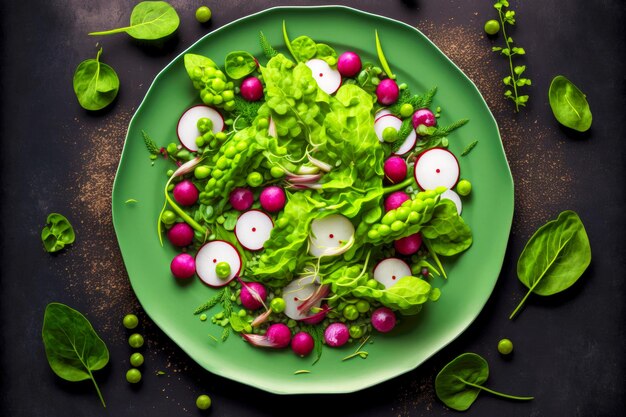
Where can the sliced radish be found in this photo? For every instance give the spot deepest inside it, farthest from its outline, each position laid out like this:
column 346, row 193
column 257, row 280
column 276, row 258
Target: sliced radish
column 188, row 131
column 296, row 293
column 271, row 130
column 210, row 255
column 331, row 235
column 390, row 270
column 436, row 167
column 385, row 121
column 380, row 113
column 408, row 144
column 454, row 197
column 328, row 79
column 253, row 229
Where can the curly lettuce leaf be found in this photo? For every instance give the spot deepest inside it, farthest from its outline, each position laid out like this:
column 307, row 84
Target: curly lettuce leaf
column 407, row 295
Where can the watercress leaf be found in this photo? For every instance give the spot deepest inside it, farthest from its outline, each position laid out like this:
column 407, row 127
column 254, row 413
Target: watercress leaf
column 72, row 346
column 496, row 48
column 569, row 104
column 506, row 52
column 507, row 80
column 326, row 53
column 304, row 48
column 95, row 84
column 508, row 93
column 510, row 39
column 238, row 64
column 519, row 69
column 523, row 99
column 519, row 51
column 57, row 233
column 149, row 20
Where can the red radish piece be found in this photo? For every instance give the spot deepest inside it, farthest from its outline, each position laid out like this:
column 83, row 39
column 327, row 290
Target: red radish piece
column 383, row 319
column 253, row 295
column 181, row 234
column 253, row 229
column 187, row 128
column 454, row 197
column 436, row 167
column 302, row 344
column 389, row 120
column 277, row 336
column 297, row 292
column 210, row 255
column 331, row 236
column 349, row 64
column 408, row 245
column 261, row 318
column 317, row 317
column 241, row 199
column 395, row 169
column 183, row 266
column 336, row 334
column 272, row 198
column 328, row 79
column 185, row 193
column 387, row 92
column 380, row 113
column 395, row 200
column 424, row 117
column 251, row 89
column 390, row 270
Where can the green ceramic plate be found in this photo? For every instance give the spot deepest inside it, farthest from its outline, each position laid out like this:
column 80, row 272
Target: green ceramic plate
column 472, row 276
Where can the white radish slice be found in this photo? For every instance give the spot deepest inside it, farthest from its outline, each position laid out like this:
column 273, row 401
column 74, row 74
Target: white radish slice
column 271, row 130
column 253, row 229
column 454, row 197
column 328, row 79
column 436, row 167
column 210, row 255
column 296, row 293
column 391, row 270
column 381, row 113
column 408, row 145
column 383, row 122
column 331, row 235
column 187, row 128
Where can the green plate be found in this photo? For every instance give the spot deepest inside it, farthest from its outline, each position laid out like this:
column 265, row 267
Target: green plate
column 472, row 276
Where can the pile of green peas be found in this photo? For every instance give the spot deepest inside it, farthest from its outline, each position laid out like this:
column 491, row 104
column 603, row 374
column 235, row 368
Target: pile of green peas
column 215, row 89
column 135, row 340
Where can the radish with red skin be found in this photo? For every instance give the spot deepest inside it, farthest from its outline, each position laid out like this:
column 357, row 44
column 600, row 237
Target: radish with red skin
column 251, row 89
column 278, row 336
column 336, row 334
column 391, row 270
column 297, row 292
column 387, row 92
column 380, row 113
column 349, row 64
column 408, row 245
column 273, row 198
column 241, row 199
column 187, row 129
column 383, row 319
column 302, row 344
column 395, row 200
column 327, row 79
column 424, row 117
column 183, row 266
column 436, row 167
column 185, row 193
column 181, row 234
column 248, row 299
column 253, row 229
column 385, row 119
column 211, row 254
column 395, row 169
column 317, row 317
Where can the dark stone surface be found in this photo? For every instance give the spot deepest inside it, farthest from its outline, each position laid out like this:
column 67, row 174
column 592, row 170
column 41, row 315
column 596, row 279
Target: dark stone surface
column 569, row 348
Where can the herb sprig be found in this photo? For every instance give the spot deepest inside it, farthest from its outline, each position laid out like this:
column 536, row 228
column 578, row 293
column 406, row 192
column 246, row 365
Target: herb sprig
column 515, row 81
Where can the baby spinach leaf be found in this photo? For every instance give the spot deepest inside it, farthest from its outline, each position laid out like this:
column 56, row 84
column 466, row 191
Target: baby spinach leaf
column 407, row 295
column 446, row 231
column 72, row 346
column 554, row 257
column 569, row 104
column 95, row 84
column 57, row 233
column 458, row 384
column 150, row 20
column 238, row 64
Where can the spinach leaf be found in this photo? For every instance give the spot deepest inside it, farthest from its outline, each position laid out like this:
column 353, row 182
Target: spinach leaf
column 57, row 233
column 569, row 104
column 238, row 64
column 554, row 257
column 72, row 346
column 446, row 231
column 95, row 84
column 407, row 295
column 150, row 20
column 458, row 384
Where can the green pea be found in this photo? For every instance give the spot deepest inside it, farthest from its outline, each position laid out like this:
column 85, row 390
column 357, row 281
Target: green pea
column 218, row 173
column 350, row 312
column 221, row 136
column 384, row 230
column 390, row 134
column 169, row 172
column 417, row 205
column 203, row 317
column 492, row 27
column 397, row 225
column 204, row 124
column 356, row 332
column 136, row 359
column 262, row 123
column 373, row 234
column 414, row 217
column 277, row 305
column 464, row 188
column 505, row 346
column 402, row 213
column 203, row 402
column 406, row 110
column 277, row 172
column 389, row 218
column 291, row 323
column 203, row 14
column 131, row 321
column 210, row 184
column 200, row 141
column 172, row 148
column 362, row 306
column 133, row 375
column 183, row 154
column 254, row 179
column 218, row 85
column 241, row 146
column 230, row 152
column 242, row 313
column 222, row 270
column 221, row 220
column 168, row 217
column 222, row 163
column 372, row 283
column 201, row 172
column 135, row 340
column 218, row 99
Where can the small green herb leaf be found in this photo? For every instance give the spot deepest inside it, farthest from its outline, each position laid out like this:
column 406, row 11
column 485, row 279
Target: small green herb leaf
column 149, row 20
column 238, row 64
column 469, row 148
column 267, row 48
column 95, row 84
column 569, row 104
column 57, row 233
column 382, row 59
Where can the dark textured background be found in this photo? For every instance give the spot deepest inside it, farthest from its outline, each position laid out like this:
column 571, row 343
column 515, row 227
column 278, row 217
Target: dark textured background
column 569, row 348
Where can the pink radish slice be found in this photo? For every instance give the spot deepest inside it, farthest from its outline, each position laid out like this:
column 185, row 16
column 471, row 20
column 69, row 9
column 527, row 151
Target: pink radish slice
column 253, row 229
column 296, row 293
column 436, row 167
column 380, row 113
column 210, row 255
column 383, row 122
column 188, row 131
column 454, row 197
column 390, row 270
column 330, row 235
column 408, row 144
column 328, row 79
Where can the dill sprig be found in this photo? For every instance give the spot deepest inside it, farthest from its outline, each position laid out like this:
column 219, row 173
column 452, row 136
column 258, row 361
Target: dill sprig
column 210, row 303
column 248, row 110
column 150, row 144
column 268, row 50
column 469, row 148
